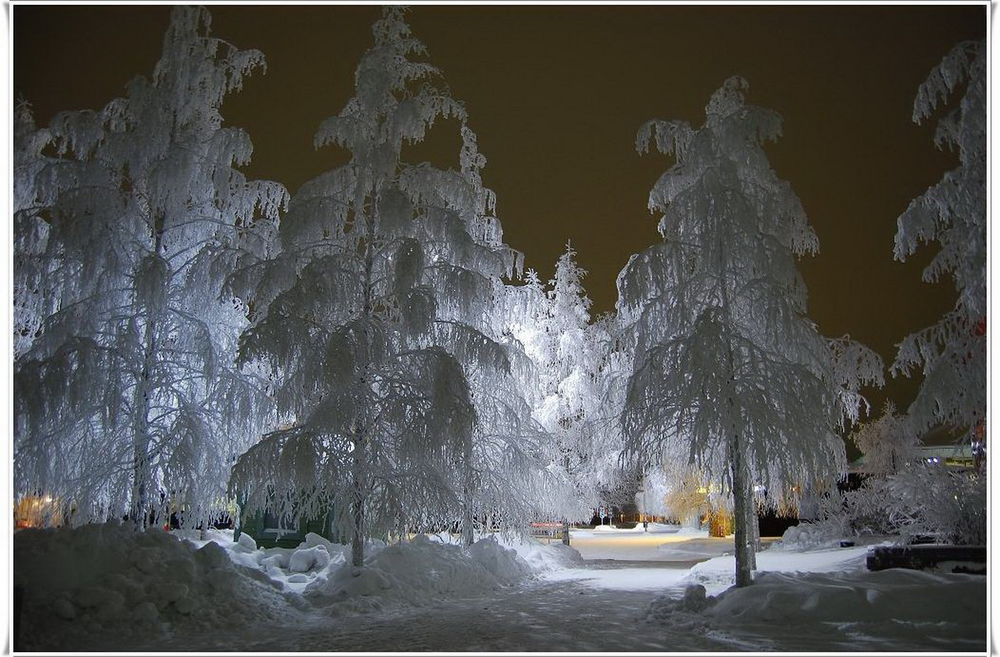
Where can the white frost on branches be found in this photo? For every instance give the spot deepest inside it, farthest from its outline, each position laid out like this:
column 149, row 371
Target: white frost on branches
column 375, row 323
column 572, row 357
column 888, row 443
column 730, row 375
column 951, row 354
column 126, row 402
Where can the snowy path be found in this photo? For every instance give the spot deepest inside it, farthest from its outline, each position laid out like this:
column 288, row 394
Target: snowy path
column 544, row 615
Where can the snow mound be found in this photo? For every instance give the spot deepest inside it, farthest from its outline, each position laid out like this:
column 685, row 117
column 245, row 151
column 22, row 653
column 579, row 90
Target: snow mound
column 717, row 574
column 109, row 581
column 287, row 569
column 891, row 604
column 247, row 543
column 878, row 596
column 545, row 558
column 503, row 563
column 694, row 600
column 417, row 572
column 107, row 585
column 309, row 558
column 811, row 536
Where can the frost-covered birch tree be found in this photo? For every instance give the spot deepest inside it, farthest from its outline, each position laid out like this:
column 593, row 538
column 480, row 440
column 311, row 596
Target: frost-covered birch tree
column 33, row 297
column 730, row 374
column 614, row 475
column 951, row 354
column 888, row 442
column 502, row 469
column 126, row 402
column 370, row 318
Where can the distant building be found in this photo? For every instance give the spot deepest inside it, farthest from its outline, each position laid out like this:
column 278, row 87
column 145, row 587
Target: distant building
column 954, row 455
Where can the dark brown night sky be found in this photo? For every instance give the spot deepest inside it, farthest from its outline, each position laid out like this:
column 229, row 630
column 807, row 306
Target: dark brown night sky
column 556, row 94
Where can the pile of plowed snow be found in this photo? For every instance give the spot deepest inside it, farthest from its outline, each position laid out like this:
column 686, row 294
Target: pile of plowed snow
column 418, row 572
column 98, row 586
column 718, row 573
column 828, row 591
column 83, row 585
column 776, row 598
column 543, row 558
column 882, row 595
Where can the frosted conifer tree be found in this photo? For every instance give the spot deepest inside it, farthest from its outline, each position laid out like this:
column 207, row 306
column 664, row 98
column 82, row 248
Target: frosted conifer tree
column 570, row 356
column 951, row 354
column 368, row 316
column 526, row 311
column 730, row 375
column 127, row 403
column 569, row 396
column 572, row 409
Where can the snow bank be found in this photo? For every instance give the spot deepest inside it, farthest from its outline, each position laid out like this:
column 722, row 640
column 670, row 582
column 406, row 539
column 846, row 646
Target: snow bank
column 419, row 571
column 288, row 569
column 718, row 573
column 845, row 605
column 812, row 535
column 107, row 580
column 101, row 586
column 883, row 595
column 883, row 610
column 544, row 558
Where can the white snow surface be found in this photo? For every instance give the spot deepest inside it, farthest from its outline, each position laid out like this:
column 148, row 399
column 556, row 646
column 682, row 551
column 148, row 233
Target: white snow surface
column 717, row 573
column 87, row 584
column 651, row 528
column 104, row 587
column 84, row 585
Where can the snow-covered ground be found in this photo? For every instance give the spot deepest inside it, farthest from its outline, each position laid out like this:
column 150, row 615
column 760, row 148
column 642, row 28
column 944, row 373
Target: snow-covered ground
column 106, row 588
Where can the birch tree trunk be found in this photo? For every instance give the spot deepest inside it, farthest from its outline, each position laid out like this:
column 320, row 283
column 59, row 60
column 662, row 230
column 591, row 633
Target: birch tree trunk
column 358, row 506
column 141, row 470
column 741, row 500
column 468, row 537
column 742, row 494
